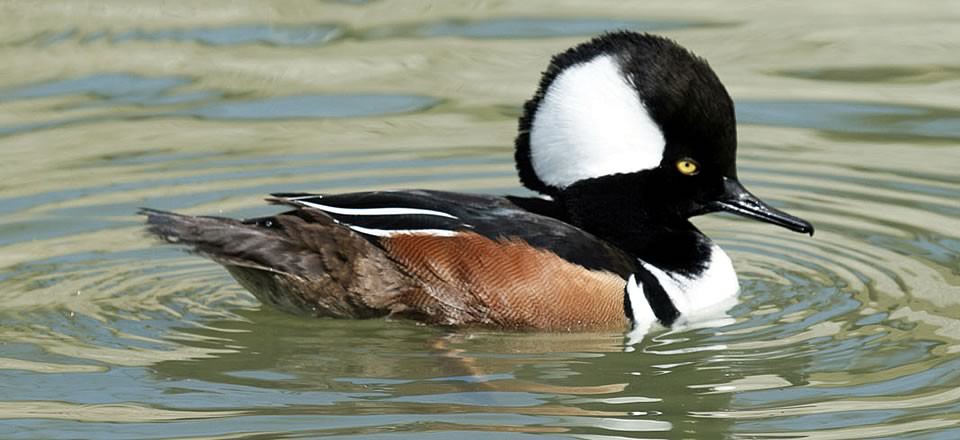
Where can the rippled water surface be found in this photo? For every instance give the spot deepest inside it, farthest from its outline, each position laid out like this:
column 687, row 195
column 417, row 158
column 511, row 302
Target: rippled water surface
column 849, row 116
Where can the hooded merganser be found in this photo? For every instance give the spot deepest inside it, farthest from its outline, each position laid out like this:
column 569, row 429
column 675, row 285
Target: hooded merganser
column 628, row 136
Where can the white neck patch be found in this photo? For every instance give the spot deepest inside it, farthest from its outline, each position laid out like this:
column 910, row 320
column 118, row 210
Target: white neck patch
column 591, row 123
column 706, row 296
column 703, row 301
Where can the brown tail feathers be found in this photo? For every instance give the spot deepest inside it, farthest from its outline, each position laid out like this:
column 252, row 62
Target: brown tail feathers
column 308, row 266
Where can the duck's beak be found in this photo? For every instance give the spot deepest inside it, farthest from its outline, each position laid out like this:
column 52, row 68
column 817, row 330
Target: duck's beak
column 736, row 199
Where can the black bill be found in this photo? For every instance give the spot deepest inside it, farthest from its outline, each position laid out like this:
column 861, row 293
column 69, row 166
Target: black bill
column 737, row 200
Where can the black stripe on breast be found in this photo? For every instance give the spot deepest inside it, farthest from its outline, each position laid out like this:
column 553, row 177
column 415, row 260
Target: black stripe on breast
column 663, row 308
column 627, row 304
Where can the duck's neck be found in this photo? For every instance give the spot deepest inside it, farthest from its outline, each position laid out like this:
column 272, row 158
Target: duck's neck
column 673, row 245
column 681, row 271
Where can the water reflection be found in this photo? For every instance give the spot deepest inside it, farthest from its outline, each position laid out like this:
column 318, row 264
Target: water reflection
column 111, row 96
column 522, row 27
column 886, row 121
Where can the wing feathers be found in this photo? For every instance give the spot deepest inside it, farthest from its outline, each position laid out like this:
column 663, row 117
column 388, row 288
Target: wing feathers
column 379, row 216
column 413, row 254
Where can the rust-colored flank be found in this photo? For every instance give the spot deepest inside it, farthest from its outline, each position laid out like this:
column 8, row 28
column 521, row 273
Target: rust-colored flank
column 468, row 279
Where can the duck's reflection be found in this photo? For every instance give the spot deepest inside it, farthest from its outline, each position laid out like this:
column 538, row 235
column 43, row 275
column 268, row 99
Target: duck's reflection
column 575, row 383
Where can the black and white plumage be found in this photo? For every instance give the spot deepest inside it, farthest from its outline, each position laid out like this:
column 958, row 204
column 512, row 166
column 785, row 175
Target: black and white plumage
column 440, row 213
column 628, row 136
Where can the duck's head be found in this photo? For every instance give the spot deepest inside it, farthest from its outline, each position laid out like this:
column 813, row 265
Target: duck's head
column 640, row 116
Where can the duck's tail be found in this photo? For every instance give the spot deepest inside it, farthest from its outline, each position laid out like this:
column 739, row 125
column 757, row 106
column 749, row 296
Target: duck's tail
column 311, row 266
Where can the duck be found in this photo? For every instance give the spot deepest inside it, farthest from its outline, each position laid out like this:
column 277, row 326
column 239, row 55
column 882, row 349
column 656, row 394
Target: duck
column 628, row 136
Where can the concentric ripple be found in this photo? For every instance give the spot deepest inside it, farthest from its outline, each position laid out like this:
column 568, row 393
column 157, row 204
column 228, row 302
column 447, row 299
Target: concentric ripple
column 104, row 333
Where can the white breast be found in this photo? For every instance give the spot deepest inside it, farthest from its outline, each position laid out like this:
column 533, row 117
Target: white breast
column 704, row 297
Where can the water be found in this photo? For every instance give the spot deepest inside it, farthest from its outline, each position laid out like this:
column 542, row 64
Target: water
column 849, row 117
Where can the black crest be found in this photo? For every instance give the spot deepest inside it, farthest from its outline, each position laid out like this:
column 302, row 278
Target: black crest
column 683, row 95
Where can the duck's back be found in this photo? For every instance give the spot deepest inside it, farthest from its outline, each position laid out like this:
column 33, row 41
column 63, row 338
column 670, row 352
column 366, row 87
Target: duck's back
column 438, row 257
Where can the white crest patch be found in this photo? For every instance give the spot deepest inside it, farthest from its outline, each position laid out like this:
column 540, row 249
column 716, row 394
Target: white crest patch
column 592, row 123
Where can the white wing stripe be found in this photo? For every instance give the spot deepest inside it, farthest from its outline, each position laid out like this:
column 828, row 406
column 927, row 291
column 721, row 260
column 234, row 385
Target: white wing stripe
column 375, row 211
column 390, row 233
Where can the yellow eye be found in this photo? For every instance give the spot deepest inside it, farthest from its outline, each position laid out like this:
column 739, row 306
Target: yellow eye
column 688, row 167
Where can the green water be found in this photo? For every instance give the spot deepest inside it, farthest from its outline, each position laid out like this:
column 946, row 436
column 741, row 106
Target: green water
column 849, row 116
